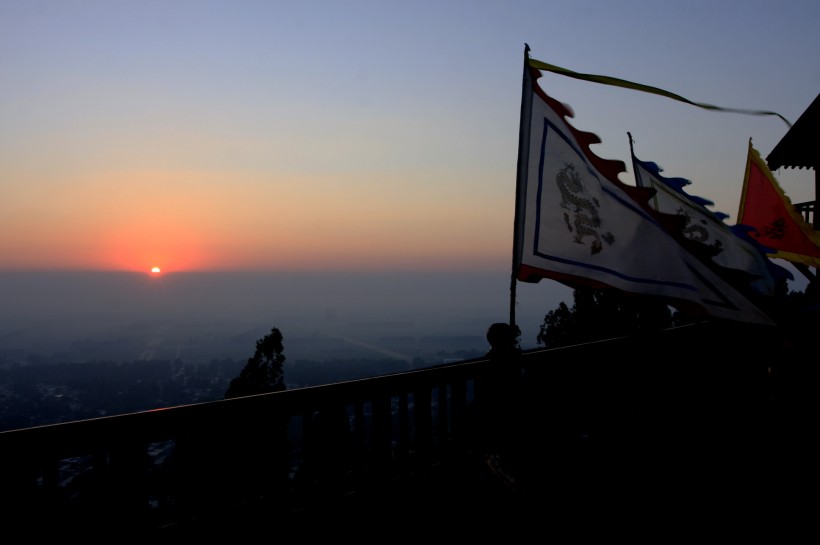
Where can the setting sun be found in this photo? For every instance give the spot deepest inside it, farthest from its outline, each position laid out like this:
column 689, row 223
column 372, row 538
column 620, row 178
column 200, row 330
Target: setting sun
column 155, row 270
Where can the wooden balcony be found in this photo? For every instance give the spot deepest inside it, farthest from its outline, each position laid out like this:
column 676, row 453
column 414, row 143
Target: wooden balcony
column 618, row 430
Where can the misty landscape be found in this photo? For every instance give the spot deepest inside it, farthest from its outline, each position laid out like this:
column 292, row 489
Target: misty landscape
column 80, row 316
column 200, row 328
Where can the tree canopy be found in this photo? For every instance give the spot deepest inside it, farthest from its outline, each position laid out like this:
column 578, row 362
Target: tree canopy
column 264, row 372
column 601, row 314
column 607, row 313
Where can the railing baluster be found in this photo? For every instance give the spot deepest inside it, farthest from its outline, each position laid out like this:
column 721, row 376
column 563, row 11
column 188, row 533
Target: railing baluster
column 382, row 432
column 423, row 419
column 443, row 414
column 403, row 431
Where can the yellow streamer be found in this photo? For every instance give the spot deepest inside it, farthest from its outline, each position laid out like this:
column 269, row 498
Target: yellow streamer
column 606, row 80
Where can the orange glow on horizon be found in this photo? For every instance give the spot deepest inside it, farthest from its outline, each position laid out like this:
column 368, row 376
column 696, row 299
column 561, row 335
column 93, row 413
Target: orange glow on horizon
column 191, row 221
column 141, row 246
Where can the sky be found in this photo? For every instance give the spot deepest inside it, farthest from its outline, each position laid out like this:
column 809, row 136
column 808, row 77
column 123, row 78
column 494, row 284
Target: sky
column 255, row 135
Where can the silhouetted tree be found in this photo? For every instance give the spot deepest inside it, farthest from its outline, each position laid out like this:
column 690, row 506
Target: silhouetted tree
column 264, row 371
column 253, row 445
column 604, row 313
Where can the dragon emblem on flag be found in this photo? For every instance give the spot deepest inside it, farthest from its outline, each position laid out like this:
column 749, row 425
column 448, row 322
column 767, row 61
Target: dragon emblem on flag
column 580, row 210
column 775, row 230
column 697, row 231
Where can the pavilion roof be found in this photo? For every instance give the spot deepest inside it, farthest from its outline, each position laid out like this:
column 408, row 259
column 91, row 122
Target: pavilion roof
column 800, row 147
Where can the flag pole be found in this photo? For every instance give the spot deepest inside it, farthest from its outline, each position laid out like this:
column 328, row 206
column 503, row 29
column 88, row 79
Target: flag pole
column 520, row 179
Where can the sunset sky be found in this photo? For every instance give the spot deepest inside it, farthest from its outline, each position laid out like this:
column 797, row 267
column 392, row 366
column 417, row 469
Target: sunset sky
column 357, row 135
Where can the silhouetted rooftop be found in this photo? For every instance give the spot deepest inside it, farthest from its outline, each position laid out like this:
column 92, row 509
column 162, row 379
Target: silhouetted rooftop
column 800, row 147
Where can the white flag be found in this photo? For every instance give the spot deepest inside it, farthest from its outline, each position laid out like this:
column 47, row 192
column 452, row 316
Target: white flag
column 705, row 228
column 576, row 223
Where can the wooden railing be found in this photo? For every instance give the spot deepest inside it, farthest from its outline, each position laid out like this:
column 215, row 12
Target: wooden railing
column 154, row 468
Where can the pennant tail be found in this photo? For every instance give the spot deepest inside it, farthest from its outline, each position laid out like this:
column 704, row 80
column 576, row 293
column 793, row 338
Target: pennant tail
column 617, row 82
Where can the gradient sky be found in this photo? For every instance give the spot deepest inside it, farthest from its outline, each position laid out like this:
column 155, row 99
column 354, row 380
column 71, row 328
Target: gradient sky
column 266, row 135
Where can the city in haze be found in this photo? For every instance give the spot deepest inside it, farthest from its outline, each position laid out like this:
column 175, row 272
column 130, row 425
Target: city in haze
column 79, row 345
column 196, row 317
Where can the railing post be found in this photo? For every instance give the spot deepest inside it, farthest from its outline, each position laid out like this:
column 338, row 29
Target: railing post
column 423, row 415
